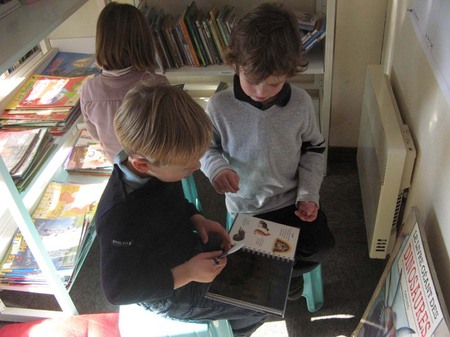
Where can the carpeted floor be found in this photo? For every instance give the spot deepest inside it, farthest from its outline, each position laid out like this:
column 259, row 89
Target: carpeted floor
column 349, row 276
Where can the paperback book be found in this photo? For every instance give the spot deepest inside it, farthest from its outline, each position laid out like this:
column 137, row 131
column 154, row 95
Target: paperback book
column 61, row 238
column 72, row 65
column 257, row 276
column 23, row 152
column 44, row 92
column 63, row 199
column 87, row 157
column 408, row 299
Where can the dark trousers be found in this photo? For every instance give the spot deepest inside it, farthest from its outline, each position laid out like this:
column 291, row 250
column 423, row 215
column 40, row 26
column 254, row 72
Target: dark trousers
column 316, row 240
column 189, row 303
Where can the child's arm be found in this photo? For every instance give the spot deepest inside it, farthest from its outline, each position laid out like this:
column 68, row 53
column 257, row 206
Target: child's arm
column 226, row 181
column 202, row 268
column 205, row 226
column 307, row 210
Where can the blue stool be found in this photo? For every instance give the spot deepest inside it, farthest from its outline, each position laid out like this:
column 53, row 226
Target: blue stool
column 190, row 191
column 136, row 321
column 312, row 281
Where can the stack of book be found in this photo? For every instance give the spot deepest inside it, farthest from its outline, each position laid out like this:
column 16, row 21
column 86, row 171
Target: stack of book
column 194, row 38
column 63, row 219
column 51, row 98
column 45, row 101
column 87, row 157
column 312, row 28
column 23, row 152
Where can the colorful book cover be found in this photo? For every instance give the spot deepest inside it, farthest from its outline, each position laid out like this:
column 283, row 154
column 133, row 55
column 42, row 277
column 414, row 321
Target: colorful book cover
column 408, row 299
column 68, row 199
column 60, row 237
column 72, row 65
column 87, row 156
column 57, row 115
column 51, row 91
column 15, row 146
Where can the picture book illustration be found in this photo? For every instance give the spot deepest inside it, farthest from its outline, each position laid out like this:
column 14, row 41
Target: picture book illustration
column 88, row 156
column 257, row 276
column 265, row 236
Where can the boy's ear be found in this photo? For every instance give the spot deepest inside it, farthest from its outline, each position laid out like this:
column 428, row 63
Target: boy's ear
column 140, row 164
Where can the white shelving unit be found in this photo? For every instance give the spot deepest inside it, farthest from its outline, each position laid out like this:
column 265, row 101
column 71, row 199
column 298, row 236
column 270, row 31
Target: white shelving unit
column 201, row 81
column 20, row 31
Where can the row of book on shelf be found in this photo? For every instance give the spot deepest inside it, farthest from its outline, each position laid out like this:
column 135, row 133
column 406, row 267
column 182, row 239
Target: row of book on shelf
column 200, row 38
column 44, row 108
column 63, row 219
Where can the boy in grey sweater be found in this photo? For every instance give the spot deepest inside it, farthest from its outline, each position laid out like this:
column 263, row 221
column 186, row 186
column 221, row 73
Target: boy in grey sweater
column 267, row 153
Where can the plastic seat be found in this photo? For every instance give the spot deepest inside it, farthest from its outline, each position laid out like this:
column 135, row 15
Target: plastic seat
column 190, row 191
column 136, row 321
column 312, row 281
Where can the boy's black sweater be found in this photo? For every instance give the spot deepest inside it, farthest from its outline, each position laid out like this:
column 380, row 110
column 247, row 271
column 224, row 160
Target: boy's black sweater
column 142, row 235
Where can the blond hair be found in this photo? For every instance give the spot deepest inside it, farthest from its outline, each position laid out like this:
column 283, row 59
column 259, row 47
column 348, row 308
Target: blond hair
column 163, row 124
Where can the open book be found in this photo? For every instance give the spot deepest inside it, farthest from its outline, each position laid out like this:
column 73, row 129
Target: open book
column 257, row 276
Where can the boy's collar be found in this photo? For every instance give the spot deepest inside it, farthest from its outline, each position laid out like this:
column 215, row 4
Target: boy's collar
column 282, row 98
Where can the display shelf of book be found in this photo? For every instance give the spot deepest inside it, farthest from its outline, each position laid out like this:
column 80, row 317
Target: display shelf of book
column 20, row 31
column 315, row 67
column 23, row 220
column 28, row 25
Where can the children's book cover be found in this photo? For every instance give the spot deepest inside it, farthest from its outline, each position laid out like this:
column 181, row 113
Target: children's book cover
column 88, row 157
column 408, row 299
column 60, row 237
column 51, row 91
column 62, row 199
column 72, row 65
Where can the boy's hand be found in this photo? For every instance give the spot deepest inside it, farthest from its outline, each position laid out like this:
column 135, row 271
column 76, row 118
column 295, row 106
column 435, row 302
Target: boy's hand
column 226, row 181
column 307, row 210
column 205, row 226
column 202, row 268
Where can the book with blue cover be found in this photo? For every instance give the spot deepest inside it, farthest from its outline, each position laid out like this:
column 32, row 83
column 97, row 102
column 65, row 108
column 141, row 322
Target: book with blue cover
column 72, row 65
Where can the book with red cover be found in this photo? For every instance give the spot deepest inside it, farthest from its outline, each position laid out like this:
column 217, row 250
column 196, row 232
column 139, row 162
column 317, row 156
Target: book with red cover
column 41, row 91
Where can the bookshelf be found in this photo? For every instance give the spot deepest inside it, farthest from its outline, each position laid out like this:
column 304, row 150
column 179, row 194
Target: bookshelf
column 21, row 30
column 316, row 79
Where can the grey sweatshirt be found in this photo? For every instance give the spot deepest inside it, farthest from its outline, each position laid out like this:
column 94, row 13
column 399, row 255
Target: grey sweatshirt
column 277, row 152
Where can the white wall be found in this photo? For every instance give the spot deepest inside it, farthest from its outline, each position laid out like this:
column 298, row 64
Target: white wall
column 358, row 42
column 426, row 111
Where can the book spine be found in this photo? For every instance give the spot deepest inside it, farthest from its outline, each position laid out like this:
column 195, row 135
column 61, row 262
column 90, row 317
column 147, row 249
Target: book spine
column 198, row 48
column 204, row 42
column 216, row 37
column 181, row 38
column 212, row 43
column 190, row 46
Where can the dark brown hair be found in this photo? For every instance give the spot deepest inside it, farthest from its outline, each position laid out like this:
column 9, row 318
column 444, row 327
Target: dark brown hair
column 266, row 42
column 124, row 39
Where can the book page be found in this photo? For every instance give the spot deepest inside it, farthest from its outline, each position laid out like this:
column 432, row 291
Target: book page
column 265, row 236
